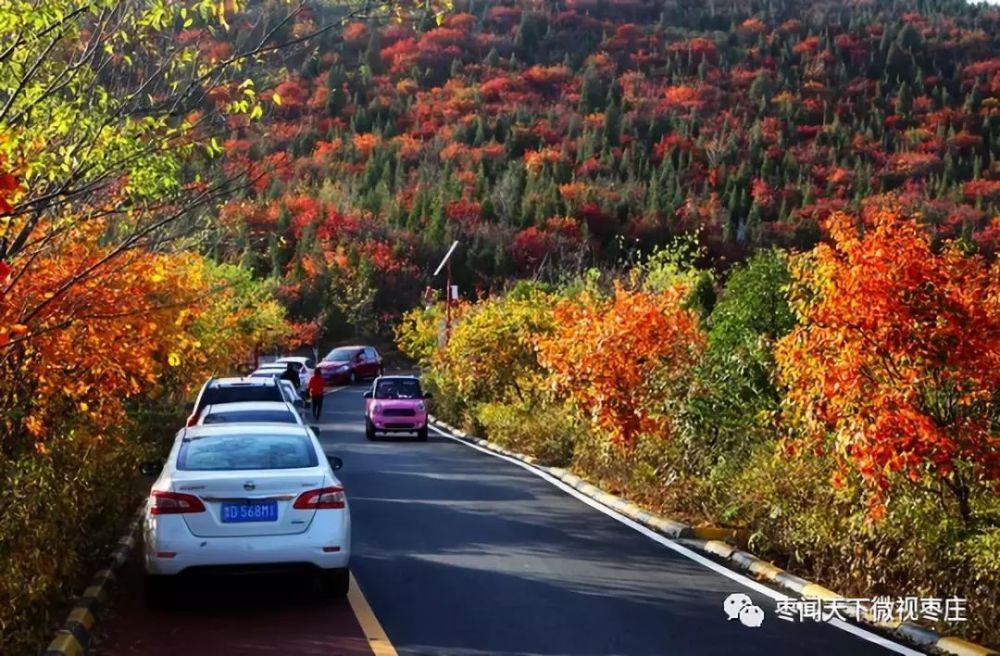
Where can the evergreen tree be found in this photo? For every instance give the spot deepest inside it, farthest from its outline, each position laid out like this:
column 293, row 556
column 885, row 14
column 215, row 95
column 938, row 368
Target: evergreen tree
column 592, row 94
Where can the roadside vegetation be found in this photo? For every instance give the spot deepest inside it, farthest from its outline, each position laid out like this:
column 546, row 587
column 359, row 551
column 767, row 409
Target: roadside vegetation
column 840, row 403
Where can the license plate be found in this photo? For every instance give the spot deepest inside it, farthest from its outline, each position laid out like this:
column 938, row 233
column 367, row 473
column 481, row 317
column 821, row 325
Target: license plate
column 250, row 511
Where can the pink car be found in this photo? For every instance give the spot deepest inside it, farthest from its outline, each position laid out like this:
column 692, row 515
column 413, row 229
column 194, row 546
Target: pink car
column 396, row 404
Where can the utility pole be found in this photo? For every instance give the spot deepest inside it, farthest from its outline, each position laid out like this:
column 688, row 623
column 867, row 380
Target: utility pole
column 447, row 290
column 447, row 321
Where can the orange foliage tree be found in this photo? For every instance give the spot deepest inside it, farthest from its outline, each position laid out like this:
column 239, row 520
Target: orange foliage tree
column 84, row 329
column 896, row 363
column 608, row 355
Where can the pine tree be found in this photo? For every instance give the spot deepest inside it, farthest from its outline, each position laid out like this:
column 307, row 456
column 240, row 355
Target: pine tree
column 373, row 53
column 336, row 98
column 592, row 94
column 612, row 125
column 492, row 58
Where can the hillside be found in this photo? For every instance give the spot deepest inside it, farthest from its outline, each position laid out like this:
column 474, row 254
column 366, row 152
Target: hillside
column 548, row 137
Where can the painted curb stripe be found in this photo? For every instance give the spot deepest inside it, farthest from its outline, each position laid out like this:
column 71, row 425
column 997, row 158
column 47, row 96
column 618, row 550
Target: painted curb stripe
column 960, row 647
column 83, row 617
column 87, row 604
column 715, row 533
column 819, row 592
column 918, row 634
column 718, row 548
column 64, row 644
column 97, row 592
column 79, row 631
column 74, row 636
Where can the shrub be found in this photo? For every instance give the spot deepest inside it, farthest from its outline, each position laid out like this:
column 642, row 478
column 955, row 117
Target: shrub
column 58, row 514
column 618, row 359
column 733, row 399
column 547, row 431
column 920, row 548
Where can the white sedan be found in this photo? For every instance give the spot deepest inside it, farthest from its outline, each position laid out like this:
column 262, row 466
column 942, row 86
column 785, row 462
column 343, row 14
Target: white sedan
column 237, row 498
column 251, row 412
column 303, row 366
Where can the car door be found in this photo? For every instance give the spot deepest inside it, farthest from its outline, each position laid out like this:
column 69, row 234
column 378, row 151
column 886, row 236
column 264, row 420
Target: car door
column 373, row 362
column 291, row 396
column 359, row 364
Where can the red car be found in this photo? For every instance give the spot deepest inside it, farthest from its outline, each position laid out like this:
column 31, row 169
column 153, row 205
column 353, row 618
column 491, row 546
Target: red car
column 349, row 364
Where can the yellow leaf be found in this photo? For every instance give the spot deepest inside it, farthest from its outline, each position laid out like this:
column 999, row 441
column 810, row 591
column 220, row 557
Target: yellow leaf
column 174, row 360
column 83, row 406
column 277, row 99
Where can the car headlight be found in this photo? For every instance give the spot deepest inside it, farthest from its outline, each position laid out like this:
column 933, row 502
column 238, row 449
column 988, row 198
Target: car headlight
column 421, row 407
column 342, row 367
column 377, row 407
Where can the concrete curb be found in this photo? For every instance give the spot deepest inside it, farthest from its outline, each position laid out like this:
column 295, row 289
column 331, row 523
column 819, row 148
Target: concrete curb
column 710, row 540
column 74, row 636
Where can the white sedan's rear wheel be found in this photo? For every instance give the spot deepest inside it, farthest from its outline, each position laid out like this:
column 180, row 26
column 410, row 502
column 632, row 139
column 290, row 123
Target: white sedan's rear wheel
column 158, row 591
column 335, row 583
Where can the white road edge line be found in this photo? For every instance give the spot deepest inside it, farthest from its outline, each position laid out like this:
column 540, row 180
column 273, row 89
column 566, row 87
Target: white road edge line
column 684, row 551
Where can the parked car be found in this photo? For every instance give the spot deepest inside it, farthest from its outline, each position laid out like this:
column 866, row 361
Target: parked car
column 233, row 390
column 396, row 404
column 292, row 396
column 264, row 372
column 251, row 412
column 301, row 364
column 349, row 364
column 232, row 499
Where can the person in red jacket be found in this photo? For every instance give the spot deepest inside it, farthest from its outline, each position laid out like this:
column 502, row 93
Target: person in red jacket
column 316, row 388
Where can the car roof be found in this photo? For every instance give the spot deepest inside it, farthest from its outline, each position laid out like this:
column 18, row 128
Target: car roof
column 399, row 377
column 246, row 429
column 245, row 406
column 272, row 365
column 293, row 358
column 244, row 381
column 351, row 346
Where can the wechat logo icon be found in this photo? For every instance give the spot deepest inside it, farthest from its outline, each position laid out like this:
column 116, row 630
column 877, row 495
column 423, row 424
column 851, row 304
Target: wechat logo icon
column 740, row 606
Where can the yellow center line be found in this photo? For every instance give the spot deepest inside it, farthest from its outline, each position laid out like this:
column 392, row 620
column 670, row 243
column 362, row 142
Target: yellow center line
column 377, row 639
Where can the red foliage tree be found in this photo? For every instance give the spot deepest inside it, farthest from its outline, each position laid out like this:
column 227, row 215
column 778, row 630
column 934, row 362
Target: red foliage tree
column 896, row 363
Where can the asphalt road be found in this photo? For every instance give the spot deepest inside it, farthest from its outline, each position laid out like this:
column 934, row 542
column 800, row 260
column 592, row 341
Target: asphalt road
column 460, row 553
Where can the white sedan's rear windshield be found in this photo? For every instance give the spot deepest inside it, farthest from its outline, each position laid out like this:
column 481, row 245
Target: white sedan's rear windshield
column 251, row 416
column 237, row 452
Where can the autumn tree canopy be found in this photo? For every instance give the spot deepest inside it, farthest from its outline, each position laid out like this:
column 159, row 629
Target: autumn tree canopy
column 896, row 363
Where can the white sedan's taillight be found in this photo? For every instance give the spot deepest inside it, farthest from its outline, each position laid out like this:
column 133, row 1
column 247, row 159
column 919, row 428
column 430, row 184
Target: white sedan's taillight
column 174, row 503
column 324, row 497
